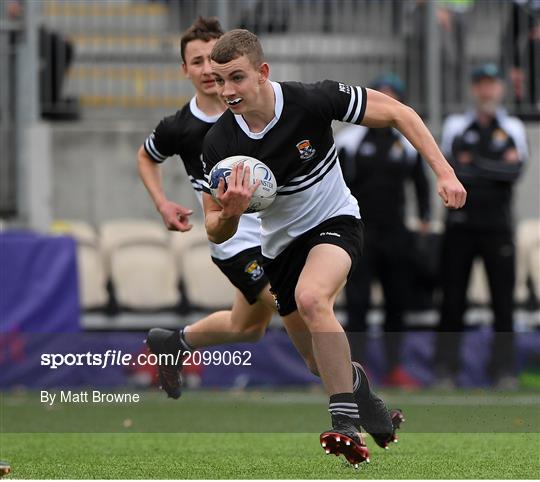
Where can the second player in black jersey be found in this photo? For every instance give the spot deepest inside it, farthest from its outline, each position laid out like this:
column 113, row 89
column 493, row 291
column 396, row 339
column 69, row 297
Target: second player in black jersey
column 240, row 257
column 311, row 234
column 182, row 134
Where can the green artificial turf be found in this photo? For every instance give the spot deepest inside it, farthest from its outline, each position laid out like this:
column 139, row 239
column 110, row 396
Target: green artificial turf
column 271, row 453
column 266, row 456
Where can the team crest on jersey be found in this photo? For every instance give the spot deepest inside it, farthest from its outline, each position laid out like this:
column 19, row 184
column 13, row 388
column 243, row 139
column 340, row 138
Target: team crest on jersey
column 254, row 270
column 307, row 151
column 499, row 138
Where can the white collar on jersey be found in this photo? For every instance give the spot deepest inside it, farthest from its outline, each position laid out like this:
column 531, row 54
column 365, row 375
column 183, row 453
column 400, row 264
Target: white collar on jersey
column 278, row 109
column 199, row 114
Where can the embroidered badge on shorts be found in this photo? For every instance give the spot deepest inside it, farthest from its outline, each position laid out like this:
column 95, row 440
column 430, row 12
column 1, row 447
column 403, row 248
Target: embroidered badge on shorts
column 254, row 270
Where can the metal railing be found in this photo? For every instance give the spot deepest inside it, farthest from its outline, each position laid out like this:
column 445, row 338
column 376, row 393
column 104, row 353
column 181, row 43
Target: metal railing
column 125, row 53
column 9, row 32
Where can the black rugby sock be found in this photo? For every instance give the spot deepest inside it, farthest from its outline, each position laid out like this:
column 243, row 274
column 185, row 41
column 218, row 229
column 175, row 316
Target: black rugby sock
column 343, row 404
column 360, row 382
column 185, row 346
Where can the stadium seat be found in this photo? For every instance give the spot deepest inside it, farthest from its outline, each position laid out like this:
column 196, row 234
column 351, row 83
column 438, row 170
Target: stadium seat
column 478, row 291
column 534, row 264
column 412, row 223
column 92, row 272
column 142, row 266
column 527, row 247
column 206, row 286
column 181, row 242
column 377, row 295
column 521, row 290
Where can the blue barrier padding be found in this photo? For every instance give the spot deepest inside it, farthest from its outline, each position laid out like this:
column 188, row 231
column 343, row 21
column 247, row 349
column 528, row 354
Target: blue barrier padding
column 38, row 283
column 273, row 361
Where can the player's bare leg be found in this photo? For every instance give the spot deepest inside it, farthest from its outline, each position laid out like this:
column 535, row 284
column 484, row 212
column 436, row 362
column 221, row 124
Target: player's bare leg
column 322, row 277
column 375, row 418
column 244, row 323
column 301, row 338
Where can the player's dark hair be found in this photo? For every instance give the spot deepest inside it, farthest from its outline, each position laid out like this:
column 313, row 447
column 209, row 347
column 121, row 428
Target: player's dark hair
column 236, row 43
column 203, row 28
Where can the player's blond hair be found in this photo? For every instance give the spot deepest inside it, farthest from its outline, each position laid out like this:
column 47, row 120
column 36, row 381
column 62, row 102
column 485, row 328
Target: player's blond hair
column 236, row 43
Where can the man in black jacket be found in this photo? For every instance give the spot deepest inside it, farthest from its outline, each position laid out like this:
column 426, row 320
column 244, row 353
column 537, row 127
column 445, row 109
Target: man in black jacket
column 487, row 149
column 376, row 165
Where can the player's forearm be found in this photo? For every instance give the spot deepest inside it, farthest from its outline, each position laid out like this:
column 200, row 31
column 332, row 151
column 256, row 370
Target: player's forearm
column 220, row 228
column 409, row 123
column 150, row 174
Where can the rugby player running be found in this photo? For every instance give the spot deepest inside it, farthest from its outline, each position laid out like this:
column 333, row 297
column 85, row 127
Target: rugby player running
column 311, row 235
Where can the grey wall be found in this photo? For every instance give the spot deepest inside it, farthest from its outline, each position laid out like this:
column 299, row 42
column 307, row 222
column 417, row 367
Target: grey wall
column 95, row 173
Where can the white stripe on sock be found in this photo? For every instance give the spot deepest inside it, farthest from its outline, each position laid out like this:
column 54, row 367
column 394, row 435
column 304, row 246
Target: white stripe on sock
column 350, row 415
column 356, row 384
column 351, row 410
column 342, row 404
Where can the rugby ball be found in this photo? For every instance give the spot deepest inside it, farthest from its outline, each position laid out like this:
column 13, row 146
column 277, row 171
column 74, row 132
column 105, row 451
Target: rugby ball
column 265, row 193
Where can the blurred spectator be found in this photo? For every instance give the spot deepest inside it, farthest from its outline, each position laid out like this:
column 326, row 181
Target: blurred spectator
column 13, row 9
column 13, row 12
column 11, row 15
column 487, row 149
column 521, row 48
column 262, row 17
column 56, row 56
column 376, row 164
column 452, row 16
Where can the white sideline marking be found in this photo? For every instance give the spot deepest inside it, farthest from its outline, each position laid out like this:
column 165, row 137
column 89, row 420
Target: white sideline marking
column 419, row 400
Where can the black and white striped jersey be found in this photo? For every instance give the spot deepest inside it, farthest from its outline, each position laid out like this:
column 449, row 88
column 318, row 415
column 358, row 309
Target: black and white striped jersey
column 182, row 134
column 299, row 148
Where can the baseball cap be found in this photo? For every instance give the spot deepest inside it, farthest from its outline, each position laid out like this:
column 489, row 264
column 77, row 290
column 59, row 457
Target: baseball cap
column 391, row 81
column 490, row 71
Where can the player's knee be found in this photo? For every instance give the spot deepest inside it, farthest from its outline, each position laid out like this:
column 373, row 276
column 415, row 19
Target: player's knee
column 311, row 304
